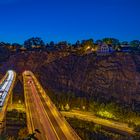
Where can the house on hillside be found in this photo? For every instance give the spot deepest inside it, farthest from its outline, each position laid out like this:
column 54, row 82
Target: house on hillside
column 104, row 49
column 126, row 48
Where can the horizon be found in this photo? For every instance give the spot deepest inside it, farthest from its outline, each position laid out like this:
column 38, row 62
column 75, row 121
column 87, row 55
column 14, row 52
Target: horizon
column 57, row 41
column 69, row 21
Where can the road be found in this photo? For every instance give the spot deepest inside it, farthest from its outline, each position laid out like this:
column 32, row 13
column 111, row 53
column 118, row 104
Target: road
column 87, row 116
column 5, row 93
column 42, row 114
column 5, row 89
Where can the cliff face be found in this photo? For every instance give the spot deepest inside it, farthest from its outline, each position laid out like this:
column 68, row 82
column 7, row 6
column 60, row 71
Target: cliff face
column 111, row 77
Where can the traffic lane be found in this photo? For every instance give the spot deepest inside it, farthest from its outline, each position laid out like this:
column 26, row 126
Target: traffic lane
column 44, row 116
column 100, row 121
column 42, row 120
column 60, row 120
column 61, row 128
column 58, row 124
column 37, row 124
column 48, row 130
column 34, row 116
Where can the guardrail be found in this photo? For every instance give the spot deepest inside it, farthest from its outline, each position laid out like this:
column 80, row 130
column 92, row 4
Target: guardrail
column 4, row 108
column 71, row 130
column 28, row 113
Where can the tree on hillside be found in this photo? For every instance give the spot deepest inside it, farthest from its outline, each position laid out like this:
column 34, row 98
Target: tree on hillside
column 111, row 41
column 88, row 43
column 135, row 43
column 98, row 42
column 107, row 40
column 63, row 45
column 16, row 46
column 87, row 46
column 67, row 107
column 5, row 45
column 115, row 42
column 34, row 43
column 78, row 43
column 124, row 43
column 52, row 44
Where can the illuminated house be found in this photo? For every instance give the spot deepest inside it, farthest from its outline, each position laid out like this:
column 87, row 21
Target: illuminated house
column 126, row 48
column 104, row 49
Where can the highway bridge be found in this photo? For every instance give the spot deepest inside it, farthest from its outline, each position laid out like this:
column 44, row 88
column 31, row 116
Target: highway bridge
column 6, row 86
column 42, row 113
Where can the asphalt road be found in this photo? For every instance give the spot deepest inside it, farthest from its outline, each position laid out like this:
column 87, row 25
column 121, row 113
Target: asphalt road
column 43, row 115
column 39, row 117
column 118, row 126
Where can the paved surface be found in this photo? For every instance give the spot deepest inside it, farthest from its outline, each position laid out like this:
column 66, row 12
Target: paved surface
column 42, row 114
column 90, row 117
column 6, row 89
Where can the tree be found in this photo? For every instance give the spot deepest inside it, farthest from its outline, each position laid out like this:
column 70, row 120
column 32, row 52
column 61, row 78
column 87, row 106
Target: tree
column 16, row 46
column 124, row 43
column 63, row 45
column 135, row 43
column 137, row 128
column 111, row 41
column 67, row 107
column 51, row 44
column 98, row 42
column 87, row 44
column 34, row 43
column 107, row 40
column 78, row 43
column 62, row 107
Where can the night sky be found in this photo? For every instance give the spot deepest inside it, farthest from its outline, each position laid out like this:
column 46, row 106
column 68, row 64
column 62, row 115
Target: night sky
column 69, row 20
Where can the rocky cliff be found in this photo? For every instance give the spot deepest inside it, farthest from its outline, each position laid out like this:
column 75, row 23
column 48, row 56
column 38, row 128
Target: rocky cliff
column 113, row 77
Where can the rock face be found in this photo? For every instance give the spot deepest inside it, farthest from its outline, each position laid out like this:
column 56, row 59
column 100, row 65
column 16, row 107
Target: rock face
column 115, row 77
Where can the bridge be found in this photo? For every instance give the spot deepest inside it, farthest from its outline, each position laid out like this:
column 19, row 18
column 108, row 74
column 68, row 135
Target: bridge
column 42, row 113
column 6, row 86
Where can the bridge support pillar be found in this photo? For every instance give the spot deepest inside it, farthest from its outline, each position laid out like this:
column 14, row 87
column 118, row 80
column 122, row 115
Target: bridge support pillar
column 3, row 127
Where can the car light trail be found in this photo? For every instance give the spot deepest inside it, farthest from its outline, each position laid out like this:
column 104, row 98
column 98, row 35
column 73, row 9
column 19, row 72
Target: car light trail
column 42, row 113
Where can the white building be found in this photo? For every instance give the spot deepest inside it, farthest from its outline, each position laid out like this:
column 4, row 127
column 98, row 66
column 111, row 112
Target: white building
column 104, row 49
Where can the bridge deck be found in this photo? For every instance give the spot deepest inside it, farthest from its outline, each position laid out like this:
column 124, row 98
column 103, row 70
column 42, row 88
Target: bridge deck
column 43, row 115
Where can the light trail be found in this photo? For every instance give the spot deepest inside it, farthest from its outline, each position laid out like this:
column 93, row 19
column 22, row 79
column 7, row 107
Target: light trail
column 5, row 94
column 40, row 109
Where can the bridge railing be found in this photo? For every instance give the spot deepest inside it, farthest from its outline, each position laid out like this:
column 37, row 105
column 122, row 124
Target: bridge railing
column 28, row 113
column 4, row 108
column 71, row 130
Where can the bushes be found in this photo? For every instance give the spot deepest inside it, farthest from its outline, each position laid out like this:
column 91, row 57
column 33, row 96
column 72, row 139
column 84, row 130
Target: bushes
column 91, row 131
column 137, row 128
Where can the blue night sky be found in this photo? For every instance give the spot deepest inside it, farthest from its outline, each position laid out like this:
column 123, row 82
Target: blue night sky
column 69, row 20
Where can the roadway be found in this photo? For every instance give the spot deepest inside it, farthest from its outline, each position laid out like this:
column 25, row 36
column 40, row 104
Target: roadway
column 42, row 113
column 88, row 116
column 6, row 87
